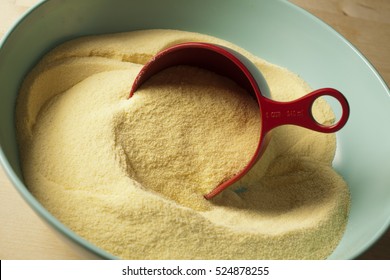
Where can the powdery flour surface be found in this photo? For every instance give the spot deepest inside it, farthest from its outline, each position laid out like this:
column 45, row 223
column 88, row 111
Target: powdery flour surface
column 129, row 175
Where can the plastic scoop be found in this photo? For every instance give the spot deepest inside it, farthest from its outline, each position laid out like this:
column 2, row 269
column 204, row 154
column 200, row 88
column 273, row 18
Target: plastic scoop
column 231, row 64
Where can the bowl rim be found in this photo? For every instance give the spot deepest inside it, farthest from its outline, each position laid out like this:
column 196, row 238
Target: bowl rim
column 379, row 233
column 22, row 189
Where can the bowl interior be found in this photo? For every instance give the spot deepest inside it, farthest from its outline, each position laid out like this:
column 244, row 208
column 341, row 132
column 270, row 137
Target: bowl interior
column 274, row 30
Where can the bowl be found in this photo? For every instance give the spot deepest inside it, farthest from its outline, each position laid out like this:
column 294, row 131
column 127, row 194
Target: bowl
column 277, row 31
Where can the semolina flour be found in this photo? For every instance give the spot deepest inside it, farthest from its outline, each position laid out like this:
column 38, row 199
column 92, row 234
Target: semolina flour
column 186, row 131
column 129, row 175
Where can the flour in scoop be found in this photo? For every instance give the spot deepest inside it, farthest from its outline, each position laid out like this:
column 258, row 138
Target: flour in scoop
column 187, row 130
column 129, row 175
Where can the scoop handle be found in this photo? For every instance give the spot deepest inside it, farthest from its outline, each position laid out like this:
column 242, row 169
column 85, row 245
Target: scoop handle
column 299, row 112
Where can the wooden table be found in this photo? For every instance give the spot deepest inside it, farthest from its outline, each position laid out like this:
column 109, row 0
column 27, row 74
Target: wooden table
column 365, row 23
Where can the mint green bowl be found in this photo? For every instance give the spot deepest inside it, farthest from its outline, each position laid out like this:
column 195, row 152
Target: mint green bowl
column 275, row 30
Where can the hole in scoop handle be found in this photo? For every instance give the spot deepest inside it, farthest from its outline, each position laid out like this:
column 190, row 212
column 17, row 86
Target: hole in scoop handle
column 299, row 112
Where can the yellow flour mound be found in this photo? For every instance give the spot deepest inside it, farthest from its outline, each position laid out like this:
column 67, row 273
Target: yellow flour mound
column 186, row 131
column 129, row 174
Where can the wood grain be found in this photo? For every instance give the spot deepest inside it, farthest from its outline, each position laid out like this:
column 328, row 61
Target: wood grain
column 365, row 23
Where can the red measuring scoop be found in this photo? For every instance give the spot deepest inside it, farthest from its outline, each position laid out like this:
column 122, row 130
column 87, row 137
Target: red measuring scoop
column 231, row 64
